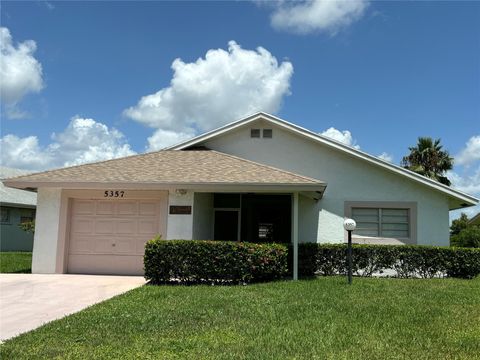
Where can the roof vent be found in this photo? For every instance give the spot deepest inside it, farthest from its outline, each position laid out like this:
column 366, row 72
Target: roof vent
column 267, row 133
column 255, row 133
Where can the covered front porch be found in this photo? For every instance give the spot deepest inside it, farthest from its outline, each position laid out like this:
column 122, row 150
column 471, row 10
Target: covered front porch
column 259, row 217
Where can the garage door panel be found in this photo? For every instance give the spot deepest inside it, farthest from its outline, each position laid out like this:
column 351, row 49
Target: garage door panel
column 127, row 208
column 125, row 245
column 127, row 227
column 106, row 264
column 83, row 207
column 105, row 208
column 147, row 208
column 147, row 226
column 81, row 225
column 103, row 245
column 104, row 226
column 140, row 245
column 109, row 236
column 80, row 244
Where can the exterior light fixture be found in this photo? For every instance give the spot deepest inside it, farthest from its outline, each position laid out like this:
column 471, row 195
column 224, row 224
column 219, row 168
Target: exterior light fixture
column 181, row 192
column 349, row 225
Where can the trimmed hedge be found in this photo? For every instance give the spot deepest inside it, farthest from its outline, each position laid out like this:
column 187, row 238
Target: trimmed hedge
column 406, row 260
column 222, row 262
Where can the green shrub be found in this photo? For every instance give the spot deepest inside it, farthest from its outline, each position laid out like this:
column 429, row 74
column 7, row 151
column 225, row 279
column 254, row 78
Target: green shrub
column 223, row 262
column 28, row 226
column 407, row 260
column 463, row 263
column 468, row 237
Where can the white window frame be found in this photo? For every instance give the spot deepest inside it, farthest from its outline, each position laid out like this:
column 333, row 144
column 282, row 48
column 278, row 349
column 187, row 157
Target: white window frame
column 412, row 221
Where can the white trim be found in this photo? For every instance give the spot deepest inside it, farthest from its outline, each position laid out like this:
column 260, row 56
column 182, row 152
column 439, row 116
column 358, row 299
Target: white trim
column 206, row 187
column 458, row 195
column 295, row 234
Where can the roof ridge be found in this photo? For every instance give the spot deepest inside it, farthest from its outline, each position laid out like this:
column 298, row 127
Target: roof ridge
column 269, row 167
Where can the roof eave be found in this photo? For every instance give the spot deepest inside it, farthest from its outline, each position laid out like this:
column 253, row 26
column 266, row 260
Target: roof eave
column 170, row 185
column 19, row 205
column 459, row 195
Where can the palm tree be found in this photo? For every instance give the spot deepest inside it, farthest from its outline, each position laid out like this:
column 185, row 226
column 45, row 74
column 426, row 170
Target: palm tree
column 428, row 159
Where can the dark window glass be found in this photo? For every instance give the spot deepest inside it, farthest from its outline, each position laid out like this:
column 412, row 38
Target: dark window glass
column 267, row 133
column 226, row 201
column 255, row 133
column 5, row 215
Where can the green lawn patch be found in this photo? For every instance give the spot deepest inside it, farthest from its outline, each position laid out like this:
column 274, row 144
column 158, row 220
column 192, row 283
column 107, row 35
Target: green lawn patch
column 322, row 318
column 15, row 262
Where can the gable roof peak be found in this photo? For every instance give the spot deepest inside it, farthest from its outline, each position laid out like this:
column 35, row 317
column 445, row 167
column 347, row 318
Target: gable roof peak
column 462, row 198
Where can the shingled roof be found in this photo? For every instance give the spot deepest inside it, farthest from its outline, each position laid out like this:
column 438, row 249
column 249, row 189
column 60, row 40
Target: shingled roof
column 169, row 167
column 15, row 197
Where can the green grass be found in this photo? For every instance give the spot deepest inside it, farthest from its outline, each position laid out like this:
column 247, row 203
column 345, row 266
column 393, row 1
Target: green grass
column 310, row 319
column 15, row 262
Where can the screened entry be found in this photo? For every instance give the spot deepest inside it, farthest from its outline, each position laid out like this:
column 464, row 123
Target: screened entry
column 252, row 217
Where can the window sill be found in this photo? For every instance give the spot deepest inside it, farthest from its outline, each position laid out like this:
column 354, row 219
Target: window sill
column 382, row 241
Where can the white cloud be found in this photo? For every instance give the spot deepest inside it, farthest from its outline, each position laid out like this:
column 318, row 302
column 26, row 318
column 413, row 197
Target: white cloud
column 470, row 153
column 212, row 91
column 466, row 175
column 83, row 141
column 163, row 138
column 469, row 182
column 20, row 72
column 385, row 156
column 303, row 17
column 344, row 137
column 23, row 153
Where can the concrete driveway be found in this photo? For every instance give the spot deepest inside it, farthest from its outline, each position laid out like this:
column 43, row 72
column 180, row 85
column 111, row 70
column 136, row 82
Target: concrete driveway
column 27, row 301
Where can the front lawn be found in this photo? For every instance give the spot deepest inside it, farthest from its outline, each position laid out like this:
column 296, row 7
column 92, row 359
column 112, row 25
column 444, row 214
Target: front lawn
column 15, row 262
column 308, row 319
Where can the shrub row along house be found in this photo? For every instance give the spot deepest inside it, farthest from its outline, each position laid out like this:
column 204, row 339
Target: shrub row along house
column 259, row 179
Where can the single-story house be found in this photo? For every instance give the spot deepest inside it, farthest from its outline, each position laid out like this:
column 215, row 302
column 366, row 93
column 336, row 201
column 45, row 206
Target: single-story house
column 475, row 220
column 17, row 206
column 257, row 179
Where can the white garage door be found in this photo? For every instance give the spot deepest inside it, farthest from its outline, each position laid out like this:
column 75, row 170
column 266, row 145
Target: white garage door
column 109, row 236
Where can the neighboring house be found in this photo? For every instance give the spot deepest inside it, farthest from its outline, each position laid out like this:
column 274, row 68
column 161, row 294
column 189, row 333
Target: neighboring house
column 16, row 206
column 475, row 220
column 257, row 179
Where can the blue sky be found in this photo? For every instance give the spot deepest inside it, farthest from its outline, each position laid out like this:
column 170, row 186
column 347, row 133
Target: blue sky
column 379, row 73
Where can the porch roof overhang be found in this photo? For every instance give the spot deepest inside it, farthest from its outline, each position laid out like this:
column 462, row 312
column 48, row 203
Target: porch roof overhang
column 203, row 171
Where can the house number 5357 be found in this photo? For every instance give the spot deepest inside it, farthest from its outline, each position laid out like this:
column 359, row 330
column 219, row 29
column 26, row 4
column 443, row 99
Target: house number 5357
column 114, row 193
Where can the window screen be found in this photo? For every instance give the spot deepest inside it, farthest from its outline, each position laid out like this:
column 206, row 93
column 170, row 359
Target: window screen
column 382, row 222
column 267, row 133
column 255, row 133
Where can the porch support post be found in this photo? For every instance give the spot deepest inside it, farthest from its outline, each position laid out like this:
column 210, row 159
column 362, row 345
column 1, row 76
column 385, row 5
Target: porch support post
column 295, row 235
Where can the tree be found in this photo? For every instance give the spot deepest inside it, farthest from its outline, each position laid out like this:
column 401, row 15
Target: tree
column 468, row 237
column 459, row 224
column 464, row 234
column 428, row 159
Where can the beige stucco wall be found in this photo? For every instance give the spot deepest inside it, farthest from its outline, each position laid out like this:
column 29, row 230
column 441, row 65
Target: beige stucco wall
column 180, row 226
column 348, row 178
column 44, row 258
